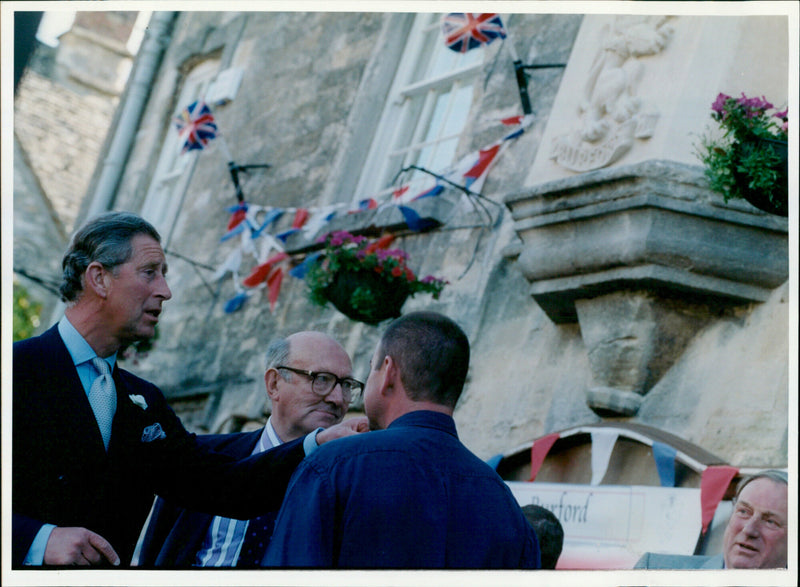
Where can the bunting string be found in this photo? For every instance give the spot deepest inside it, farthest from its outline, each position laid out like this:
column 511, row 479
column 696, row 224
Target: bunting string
column 254, row 225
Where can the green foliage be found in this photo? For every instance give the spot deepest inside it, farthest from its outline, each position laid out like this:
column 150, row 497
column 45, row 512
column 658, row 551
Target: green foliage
column 750, row 154
column 27, row 313
column 345, row 253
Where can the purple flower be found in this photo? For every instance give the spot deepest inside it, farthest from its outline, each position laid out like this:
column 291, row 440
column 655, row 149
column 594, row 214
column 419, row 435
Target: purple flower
column 719, row 104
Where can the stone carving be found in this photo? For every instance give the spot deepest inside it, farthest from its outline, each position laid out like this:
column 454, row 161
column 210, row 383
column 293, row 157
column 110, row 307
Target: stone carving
column 611, row 114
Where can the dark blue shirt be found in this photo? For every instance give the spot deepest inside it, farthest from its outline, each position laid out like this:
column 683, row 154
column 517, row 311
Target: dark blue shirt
column 411, row 496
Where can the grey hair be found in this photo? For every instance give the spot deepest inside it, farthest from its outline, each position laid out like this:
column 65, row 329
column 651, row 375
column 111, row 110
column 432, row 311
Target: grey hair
column 772, row 474
column 277, row 352
column 105, row 239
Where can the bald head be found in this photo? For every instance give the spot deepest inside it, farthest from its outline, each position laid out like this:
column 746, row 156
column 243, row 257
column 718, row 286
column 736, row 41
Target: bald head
column 296, row 408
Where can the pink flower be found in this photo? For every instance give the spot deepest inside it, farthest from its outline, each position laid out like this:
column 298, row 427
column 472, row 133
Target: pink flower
column 719, row 104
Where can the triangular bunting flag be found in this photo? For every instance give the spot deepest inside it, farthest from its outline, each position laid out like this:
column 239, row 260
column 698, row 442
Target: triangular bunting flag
column 413, row 220
column 235, row 303
column 274, row 287
column 300, row 270
column 664, row 456
column 713, row 485
column 541, row 446
column 603, row 442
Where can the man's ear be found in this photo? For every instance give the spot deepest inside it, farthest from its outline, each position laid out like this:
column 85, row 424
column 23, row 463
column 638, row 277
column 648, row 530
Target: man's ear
column 271, row 380
column 96, row 279
column 391, row 376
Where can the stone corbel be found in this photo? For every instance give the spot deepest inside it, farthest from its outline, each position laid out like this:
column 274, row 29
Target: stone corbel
column 642, row 257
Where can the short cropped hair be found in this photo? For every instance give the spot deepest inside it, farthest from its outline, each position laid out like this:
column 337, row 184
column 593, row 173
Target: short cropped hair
column 772, row 474
column 105, row 239
column 548, row 531
column 432, row 355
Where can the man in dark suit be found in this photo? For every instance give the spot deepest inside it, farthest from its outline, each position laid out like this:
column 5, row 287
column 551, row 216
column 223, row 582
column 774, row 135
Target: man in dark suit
column 92, row 443
column 309, row 382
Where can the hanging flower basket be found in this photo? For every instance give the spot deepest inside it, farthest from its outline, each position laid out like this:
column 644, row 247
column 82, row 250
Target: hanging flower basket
column 750, row 159
column 365, row 296
column 366, row 281
column 776, row 164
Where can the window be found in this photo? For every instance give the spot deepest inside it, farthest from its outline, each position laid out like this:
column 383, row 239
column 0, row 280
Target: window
column 174, row 169
column 426, row 110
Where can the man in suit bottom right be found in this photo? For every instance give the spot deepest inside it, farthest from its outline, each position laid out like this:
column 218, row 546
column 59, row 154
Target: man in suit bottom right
column 756, row 535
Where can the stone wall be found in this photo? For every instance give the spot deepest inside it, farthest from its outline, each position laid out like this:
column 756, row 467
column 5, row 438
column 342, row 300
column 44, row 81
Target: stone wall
column 64, row 153
column 309, row 81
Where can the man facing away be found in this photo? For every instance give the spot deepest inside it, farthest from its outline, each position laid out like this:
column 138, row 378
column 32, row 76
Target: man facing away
column 92, row 443
column 756, row 536
column 408, row 494
column 309, row 382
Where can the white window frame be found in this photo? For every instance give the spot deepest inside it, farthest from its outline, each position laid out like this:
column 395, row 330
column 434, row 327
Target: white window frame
column 424, row 45
column 174, row 169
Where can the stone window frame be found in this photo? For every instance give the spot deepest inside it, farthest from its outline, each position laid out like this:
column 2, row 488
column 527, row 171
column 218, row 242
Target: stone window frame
column 174, row 169
column 427, row 71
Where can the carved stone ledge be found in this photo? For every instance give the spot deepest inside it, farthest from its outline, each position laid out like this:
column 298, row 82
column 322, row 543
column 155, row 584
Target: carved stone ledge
column 653, row 226
column 642, row 257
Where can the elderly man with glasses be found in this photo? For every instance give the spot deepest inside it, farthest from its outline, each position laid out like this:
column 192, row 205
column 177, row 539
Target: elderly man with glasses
column 310, row 385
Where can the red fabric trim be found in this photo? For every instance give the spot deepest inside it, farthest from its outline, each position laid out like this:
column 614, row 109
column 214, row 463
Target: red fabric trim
column 713, row 484
column 541, row 446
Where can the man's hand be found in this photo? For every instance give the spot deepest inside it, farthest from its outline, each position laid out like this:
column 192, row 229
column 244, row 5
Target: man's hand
column 78, row 546
column 347, row 428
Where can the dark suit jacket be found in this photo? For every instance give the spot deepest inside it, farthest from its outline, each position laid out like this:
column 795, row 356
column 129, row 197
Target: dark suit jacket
column 62, row 474
column 173, row 536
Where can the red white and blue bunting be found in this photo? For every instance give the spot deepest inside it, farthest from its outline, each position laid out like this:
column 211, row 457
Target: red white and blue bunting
column 255, row 226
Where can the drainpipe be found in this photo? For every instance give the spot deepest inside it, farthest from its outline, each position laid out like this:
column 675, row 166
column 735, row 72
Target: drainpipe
column 147, row 64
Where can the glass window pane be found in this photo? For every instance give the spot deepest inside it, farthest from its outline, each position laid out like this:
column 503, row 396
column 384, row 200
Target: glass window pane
column 436, row 122
column 427, row 111
column 443, row 155
column 459, row 110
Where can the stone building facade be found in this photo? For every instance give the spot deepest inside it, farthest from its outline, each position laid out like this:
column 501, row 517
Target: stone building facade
column 599, row 280
column 63, row 108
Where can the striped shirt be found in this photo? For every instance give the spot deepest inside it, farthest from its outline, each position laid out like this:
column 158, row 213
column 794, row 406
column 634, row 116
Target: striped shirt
column 225, row 536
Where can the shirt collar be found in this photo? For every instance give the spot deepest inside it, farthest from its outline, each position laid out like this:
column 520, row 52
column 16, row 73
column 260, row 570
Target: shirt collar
column 269, row 438
column 426, row 419
column 78, row 348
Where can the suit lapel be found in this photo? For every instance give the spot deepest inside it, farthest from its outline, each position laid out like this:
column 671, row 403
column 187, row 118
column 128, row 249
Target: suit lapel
column 67, row 396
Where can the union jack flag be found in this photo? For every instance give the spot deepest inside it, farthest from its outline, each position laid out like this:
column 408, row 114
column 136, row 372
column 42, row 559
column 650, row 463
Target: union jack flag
column 197, row 123
column 465, row 30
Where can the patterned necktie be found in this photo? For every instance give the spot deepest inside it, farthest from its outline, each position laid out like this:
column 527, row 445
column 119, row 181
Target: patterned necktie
column 103, row 398
column 255, row 542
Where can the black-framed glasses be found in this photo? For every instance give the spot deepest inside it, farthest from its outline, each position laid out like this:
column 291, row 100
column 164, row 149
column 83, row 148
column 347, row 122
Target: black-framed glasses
column 322, row 382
